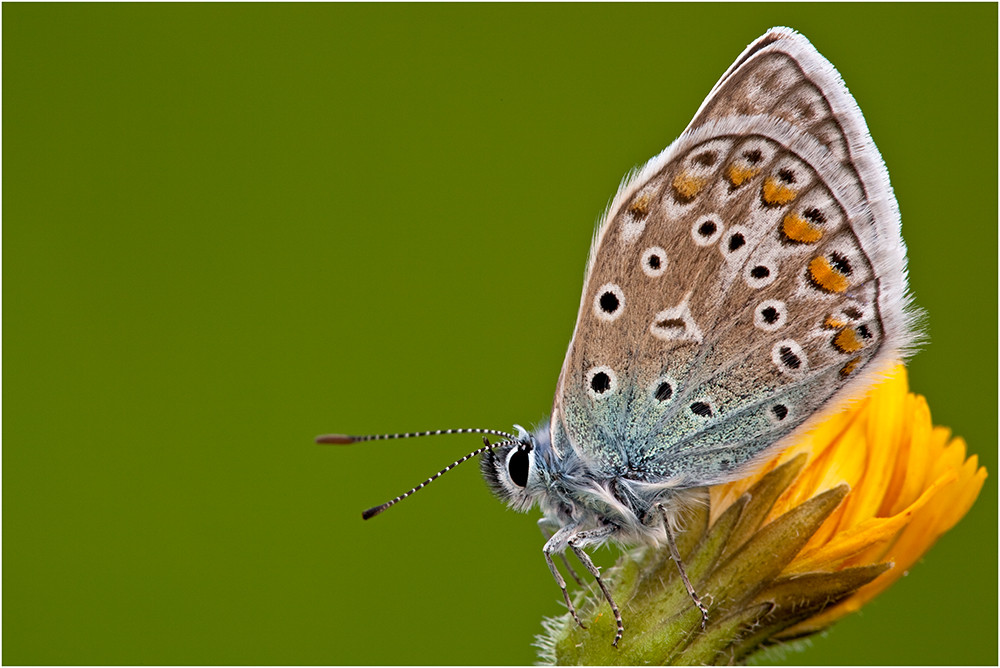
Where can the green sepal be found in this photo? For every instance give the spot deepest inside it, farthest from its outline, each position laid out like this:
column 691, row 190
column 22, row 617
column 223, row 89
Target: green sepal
column 797, row 598
column 764, row 556
column 763, row 495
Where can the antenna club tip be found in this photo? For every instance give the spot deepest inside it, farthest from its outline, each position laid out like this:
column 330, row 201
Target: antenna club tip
column 335, row 439
column 372, row 512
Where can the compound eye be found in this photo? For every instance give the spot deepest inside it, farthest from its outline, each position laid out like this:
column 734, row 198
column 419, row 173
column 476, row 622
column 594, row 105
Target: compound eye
column 517, row 466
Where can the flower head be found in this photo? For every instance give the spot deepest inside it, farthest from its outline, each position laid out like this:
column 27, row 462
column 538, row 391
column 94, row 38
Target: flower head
column 814, row 534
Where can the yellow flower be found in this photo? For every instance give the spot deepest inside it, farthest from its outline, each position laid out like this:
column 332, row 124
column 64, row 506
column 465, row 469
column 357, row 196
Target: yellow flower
column 818, row 531
column 910, row 483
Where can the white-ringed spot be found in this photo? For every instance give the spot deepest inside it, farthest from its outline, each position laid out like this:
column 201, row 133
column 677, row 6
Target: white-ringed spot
column 609, row 302
column 770, row 315
column 707, row 230
column 789, row 357
column 601, row 382
column 654, row 261
column 734, row 242
column 760, row 274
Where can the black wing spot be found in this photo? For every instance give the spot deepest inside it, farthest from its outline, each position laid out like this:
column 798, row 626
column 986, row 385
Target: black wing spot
column 701, row 409
column 601, row 382
column 753, row 157
column 609, row 302
column 789, row 358
column 770, row 315
column 671, row 323
column 760, row 271
column 706, row 159
column 664, row 391
column 814, row 215
column 780, row 411
column 840, row 263
column 736, row 242
column 707, row 228
column 786, row 176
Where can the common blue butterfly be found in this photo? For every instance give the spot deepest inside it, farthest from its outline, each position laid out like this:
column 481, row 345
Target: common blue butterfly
column 740, row 286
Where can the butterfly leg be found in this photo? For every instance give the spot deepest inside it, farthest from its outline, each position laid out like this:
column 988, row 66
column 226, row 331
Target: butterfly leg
column 577, row 542
column 557, row 543
column 676, row 556
column 544, row 525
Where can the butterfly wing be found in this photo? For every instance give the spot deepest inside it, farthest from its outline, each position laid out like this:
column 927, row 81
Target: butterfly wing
column 748, row 278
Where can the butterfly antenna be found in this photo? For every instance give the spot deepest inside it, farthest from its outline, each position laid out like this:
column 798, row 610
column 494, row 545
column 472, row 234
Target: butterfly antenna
column 345, row 439
column 372, row 512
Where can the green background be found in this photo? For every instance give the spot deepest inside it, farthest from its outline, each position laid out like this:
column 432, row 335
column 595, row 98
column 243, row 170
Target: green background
column 228, row 228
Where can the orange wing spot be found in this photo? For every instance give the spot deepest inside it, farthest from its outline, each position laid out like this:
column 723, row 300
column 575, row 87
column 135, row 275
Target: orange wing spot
column 776, row 192
column 849, row 368
column 640, row 205
column 833, row 323
column 800, row 229
column 738, row 174
column 824, row 276
column 847, row 341
column 686, row 185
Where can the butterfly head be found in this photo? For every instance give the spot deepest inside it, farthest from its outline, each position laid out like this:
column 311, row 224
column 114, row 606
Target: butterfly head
column 514, row 471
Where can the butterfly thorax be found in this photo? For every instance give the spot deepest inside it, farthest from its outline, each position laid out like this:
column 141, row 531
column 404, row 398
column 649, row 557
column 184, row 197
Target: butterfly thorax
column 571, row 491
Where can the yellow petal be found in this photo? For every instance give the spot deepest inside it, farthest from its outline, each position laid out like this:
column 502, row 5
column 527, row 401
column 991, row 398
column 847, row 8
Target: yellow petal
column 846, row 462
column 861, row 536
column 911, row 471
column 880, row 447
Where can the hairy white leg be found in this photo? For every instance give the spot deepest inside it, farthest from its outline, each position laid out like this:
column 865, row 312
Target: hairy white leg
column 544, row 525
column 576, row 542
column 557, row 543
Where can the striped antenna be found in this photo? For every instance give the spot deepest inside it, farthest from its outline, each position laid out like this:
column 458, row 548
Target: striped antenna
column 345, row 439
column 372, row 512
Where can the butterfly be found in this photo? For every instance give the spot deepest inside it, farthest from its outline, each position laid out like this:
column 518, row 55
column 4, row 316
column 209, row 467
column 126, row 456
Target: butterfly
column 741, row 285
